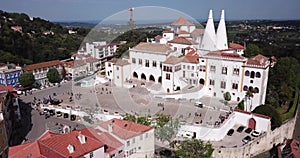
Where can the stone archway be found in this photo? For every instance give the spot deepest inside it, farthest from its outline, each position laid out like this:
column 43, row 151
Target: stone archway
column 202, row 81
column 251, row 123
column 135, row 75
column 159, row 79
column 143, row 76
column 151, row 78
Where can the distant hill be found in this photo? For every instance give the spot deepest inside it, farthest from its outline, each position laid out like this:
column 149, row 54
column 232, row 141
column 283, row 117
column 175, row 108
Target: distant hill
column 25, row 40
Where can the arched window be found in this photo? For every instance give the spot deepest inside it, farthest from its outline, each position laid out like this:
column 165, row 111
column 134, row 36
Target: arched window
column 247, row 73
column 251, row 89
column 245, row 88
column 256, row 90
column 252, row 74
column 257, row 75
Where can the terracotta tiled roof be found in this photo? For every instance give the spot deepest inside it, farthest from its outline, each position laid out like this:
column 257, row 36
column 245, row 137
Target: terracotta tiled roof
column 256, row 114
column 42, row 65
column 258, row 60
column 153, row 48
column 236, row 46
column 198, row 32
column 29, row 149
column 125, row 129
column 91, row 60
column 158, row 37
column 6, row 88
column 55, row 145
column 183, row 32
column 181, row 21
column 173, row 60
column 191, row 57
column 181, row 40
column 111, row 142
column 168, row 31
column 222, row 55
column 119, row 62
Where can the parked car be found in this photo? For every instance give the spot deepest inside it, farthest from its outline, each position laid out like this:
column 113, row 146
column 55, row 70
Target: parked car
column 230, row 132
column 42, row 113
column 240, row 129
column 246, row 139
column 248, row 130
column 255, row 133
column 58, row 113
column 52, row 112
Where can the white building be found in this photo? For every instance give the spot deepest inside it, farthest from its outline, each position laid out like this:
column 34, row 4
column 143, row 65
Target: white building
column 176, row 63
column 138, row 139
column 99, row 50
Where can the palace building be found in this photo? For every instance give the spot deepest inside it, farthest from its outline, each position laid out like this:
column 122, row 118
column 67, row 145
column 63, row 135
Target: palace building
column 192, row 62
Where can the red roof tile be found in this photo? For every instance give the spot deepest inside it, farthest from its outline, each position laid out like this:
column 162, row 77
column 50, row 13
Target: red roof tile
column 236, row 46
column 181, row 21
column 172, row 60
column 55, row 145
column 258, row 60
column 183, row 32
column 168, row 31
column 222, row 55
column 153, row 48
column 181, row 40
column 6, row 88
column 105, row 137
column 42, row 65
column 125, row 129
column 198, row 32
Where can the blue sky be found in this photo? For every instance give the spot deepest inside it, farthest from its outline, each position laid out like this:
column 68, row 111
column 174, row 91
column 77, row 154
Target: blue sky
column 75, row 10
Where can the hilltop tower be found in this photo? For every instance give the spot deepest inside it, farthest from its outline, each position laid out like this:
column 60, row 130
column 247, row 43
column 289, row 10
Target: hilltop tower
column 209, row 38
column 221, row 37
column 131, row 22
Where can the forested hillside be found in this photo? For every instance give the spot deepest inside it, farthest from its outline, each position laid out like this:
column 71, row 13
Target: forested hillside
column 25, row 40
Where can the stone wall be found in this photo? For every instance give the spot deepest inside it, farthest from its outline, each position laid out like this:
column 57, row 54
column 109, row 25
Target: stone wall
column 257, row 146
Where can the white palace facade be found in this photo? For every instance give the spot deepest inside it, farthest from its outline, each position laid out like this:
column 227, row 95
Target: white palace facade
column 191, row 62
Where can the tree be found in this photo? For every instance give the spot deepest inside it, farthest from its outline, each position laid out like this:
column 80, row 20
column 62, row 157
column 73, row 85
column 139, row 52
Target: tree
column 53, row 75
column 227, row 97
column 252, row 50
column 241, row 105
column 26, row 79
column 130, row 118
column 194, row 148
column 166, row 128
column 249, row 96
column 270, row 111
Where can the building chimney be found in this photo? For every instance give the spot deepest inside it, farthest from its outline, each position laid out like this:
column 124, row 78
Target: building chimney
column 81, row 138
column 110, row 127
column 71, row 148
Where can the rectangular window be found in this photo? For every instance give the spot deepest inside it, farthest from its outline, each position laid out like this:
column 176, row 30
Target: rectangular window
column 235, row 86
column 154, row 63
column 236, row 71
column 192, row 67
column 188, row 67
column 224, row 70
column 183, row 67
column 140, row 61
column 133, row 60
column 128, row 143
column 168, row 76
column 211, row 82
column 147, row 63
column 212, row 68
column 183, row 74
column 133, row 140
column 118, row 68
column 223, row 84
column 141, row 137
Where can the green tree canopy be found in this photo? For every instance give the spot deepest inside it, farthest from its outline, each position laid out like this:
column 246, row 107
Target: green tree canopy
column 144, row 120
column 270, row 111
column 53, row 75
column 227, row 96
column 26, row 79
column 194, row 148
column 166, row 128
column 252, row 50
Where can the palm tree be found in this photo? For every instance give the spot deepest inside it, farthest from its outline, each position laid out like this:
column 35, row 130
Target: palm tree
column 249, row 95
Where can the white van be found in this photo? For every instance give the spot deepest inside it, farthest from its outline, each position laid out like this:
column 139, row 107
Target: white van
column 199, row 104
